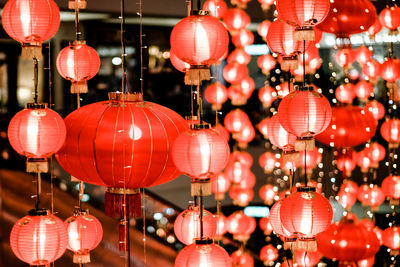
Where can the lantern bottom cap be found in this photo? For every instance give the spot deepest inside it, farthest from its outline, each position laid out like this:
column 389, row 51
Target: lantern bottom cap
column 72, row 4
column 81, row 257
column 31, row 51
column 79, row 87
column 37, row 165
column 197, row 75
column 200, row 187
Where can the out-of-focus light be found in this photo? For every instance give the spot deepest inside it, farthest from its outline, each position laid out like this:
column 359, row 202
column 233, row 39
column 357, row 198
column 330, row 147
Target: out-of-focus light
column 169, row 211
column 116, row 61
column 256, row 49
column 157, row 216
column 151, row 229
column 85, row 198
column 256, row 211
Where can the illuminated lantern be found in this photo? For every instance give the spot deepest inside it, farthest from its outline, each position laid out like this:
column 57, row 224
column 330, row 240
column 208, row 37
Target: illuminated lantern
column 347, row 241
column 78, row 63
column 372, row 69
column 390, row 18
column 243, row 157
column 216, row 94
column 234, row 73
column 345, row 93
column 84, row 234
column 376, row 108
column 376, row 153
column 199, row 40
column 268, row 254
column 217, row 8
column 236, row 170
column 369, row 262
column 203, row 253
column 268, row 193
column 311, row 53
column 39, row 238
column 310, row 159
column 263, row 28
column 304, row 15
column 129, row 153
column 349, row 17
column 304, row 113
column 236, row 120
column 364, row 90
column 374, row 29
column 240, row 225
column 220, row 184
column 345, row 57
column 279, row 136
column 248, row 180
column 242, row 258
column 307, row 258
column 266, row 63
column 277, row 226
column 267, row 161
column 391, row 186
column 236, row 19
column 350, row 126
column 31, row 23
column 240, row 56
column 178, row 64
column 371, row 195
column 346, row 199
column 363, row 54
column 283, row 89
column 241, row 196
column 390, row 131
column 36, row 132
column 221, row 225
column 262, row 126
column 391, row 238
column 266, row 225
column 245, row 136
column 247, row 86
column 222, row 131
column 363, row 161
column 390, row 70
column 266, row 4
column 242, row 38
column 267, row 95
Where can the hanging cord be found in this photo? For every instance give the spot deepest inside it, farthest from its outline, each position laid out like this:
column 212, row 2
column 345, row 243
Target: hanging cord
column 144, row 226
column 198, row 5
column 141, row 44
column 38, row 190
column 77, row 32
column 201, row 215
column 35, row 78
column 304, row 63
column 305, row 167
column 123, row 50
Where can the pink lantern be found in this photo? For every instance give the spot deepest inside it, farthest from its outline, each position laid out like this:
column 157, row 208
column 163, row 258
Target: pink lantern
column 268, row 193
column 241, row 226
column 220, row 184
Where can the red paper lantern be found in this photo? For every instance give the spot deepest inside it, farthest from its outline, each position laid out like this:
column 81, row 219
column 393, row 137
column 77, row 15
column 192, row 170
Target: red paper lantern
column 345, row 57
column 268, row 254
column 390, row 70
column 245, row 158
column 216, row 94
column 266, row 4
column 307, row 258
column 36, row 131
column 124, row 144
column 221, row 225
column 391, row 186
column 242, row 258
column 222, row 131
column 200, row 153
column 220, row 184
column 375, row 152
column 203, row 253
column 236, row 120
column 234, row 73
column 39, row 238
column 310, row 159
column 236, row 19
column 390, row 17
column 363, row 54
column 236, row 170
column 263, row 127
column 372, row 69
column 245, row 136
column 268, row 193
column 275, row 219
column 279, row 136
column 364, row 90
column 376, row 108
column 267, row 95
column 391, row 237
column 390, row 131
column 78, row 63
column 267, row 161
column 187, row 225
column 84, row 234
column 345, row 93
column 217, row 8
column 369, row 262
column 240, row 56
column 263, row 28
column 178, row 64
column 370, row 195
column 346, row 199
column 240, row 225
column 363, row 161
column 374, row 28
column 266, row 63
column 31, row 23
column 248, row 180
column 265, row 225
column 242, row 38
column 241, row 196
column 346, row 162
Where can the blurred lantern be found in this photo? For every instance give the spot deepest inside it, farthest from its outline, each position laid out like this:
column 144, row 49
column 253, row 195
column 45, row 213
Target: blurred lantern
column 267, row 95
column 248, row 181
column 266, row 4
column 391, row 239
column 39, row 238
column 307, row 214
column 236, row 19
column 391, row 187
column 269, row 254
column 235, row 170
column 346, row 162
column 390, row 18
column 347, row 241
column 378, row 233
column 242, row 38
column 279, row 136
column 350, row 126
column 283, row 89
column 304, row 113
column 279, row 229
column 240, row 56
column 374, row 29
column 220, row 184
column 376, row 153
column 36, row 132
column 266, row 63
column 367, row 223
column 241, row 196
column 390, row 131
column 364, row 90
column 241, row 258
column 236, row 120
column 178, row 64
column 31, row 23
column 241, row 226
column 363, row 55
column 345, row 93
column 371, row 195
column 376, row 108
column 124, row 130
column 390, row 70
column 262, row 126
column 203, row 252
column 222, row 131
column 263, row 28
column 346, row 199
column 84, row 234
column 245, row 136
column 187, row 225
column 304, row 15
column 267, row 161
column 265, row 225
column 372, row 69
column 349, row 186
column 221, row 225
column 311, row 55
column 307, row 258
column 199, row 40
column 310, row 159
column 280, row 39
column 78, row 63
column 369, row 262
column 268, row 193
column 234, row 72
column 363, row 161
column 243, row 157
column 217, row 8
column 216, row 94
column 345, row 57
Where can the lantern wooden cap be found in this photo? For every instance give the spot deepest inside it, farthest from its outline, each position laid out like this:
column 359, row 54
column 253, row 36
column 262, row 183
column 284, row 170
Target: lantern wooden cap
column 306, row 189
column 39, row 212
column 130, row 97
column 204, row 241
column 199, row 13
column 122, row 191
column 200, row 126
column 36, row 105
column 81, row 212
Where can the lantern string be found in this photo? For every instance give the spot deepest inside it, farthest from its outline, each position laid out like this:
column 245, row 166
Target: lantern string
column 144, row 226
column 77, row 32
column 201, row 214
column 218, row 214
column 305, row 167
column 198, row 5
column 38, row 190
column 35, row 78
column 123, row 50
column 304, row 63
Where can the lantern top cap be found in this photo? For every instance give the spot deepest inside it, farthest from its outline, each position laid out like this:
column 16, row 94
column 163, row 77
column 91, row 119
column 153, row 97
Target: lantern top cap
column 204, row 241
column 129, row 97
column 36, row 105
column 80, row 212
column 200, row 126
column 304, row 88
column 38, row 212
column 306, row 189
column 78, row 42
column 199, row 13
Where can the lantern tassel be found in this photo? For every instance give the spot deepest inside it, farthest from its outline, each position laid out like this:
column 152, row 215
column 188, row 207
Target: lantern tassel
column 200, row 187
column 290, row 156
column 31, row 50
column 304, row 144
column 306, row 244
column 290, row 63
column 194, row 76
column 79, row 87
column 304, row 34
column 115, row 201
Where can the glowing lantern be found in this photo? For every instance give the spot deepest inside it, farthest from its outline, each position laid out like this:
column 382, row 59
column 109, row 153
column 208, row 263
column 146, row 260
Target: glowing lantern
column 236, row 19
column 236, row 170
column 266, row 63
column 374, row 29
column 267, row 161
column 241, row 226
column 390, row 70
column 243, row 157
column 220, row 184
column 216, row 94
column 187, row 225
column 283, row 89
column 376, row 153
column 279, row 228
column 84, row 234
column 346, row 199
column 78, row 63
column 217, row 8
column 279, row 136
column 268, row 193
column 266, row 4
column 345, row 57
column 31, row 23
column 363, row 54
column 267, row 95
column 242, row 38
column 371, row 195
column 221, row 225
column 345, row 93
column 268, row 254
column 363, row 161
column 310, row 159
column 265, row 225
column 240, row 56
column 372, row 69
column 39, row 238
column 245, row 136
column 391, row 186
column 241, row 196
column 199, row 40
column 234, row 73
column 236, row 120
column 242, row 258
column 263, row 28
column 376, row 108
column 178, row 64
column 390, row 131
column 307, row 258
column 364, row 90
column 390, row 18
column 262, row 126
column 369, row 262
column 203, row 253
column 248, row 181
column 346, row 162
column 391, row 238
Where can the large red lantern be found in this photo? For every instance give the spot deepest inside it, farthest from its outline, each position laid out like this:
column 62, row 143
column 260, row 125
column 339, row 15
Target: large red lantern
column 216, row 94
column 268, row 193
column 220, row 184
column 390, row 70
column 266, row 63
column 39, row 238
column 84, row 234
column 199, row 40
column 345, row 93
column 187, row 225
column 304, row 113
column 236, row 19
column 376, row 108
column 241, row 226
column 390, row 18
column 124, row 144
column 391, row 238
column 217, row 8
column 241, row 258
column 364, row 90
column 234, row 72
column 370, row 195
column 31, row 23
column 267, row 95
column 390, row 131
column 78, row 63
column 391, row 186
column 268, row 254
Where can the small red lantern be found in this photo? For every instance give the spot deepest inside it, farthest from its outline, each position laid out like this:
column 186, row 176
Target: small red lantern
column 39, row 238
column 220, row 184
column 372, row 69
column 345, row 57
column 376, row 108
column 267, row 161
column 376, row 153
column 390, row 18
column 263, row 127
column 364, row 90
column 267, row 95
column 178, row 64
column 369, row 262
column 346, row 199
column 236, row 120
column 391, row 186
column 187, row 225
column 307, row 258
column 345, row 93
column 268, row 254
column 241, row 226
column 266, row 63
column 268, row 193
column 265, row 225
column 78, row 63
column 345, row 161
column 266, row 4
column 222, row 131
column 203, row 252
column 241, row 196
column 84, row 234
column 31, row 23
column 216, row 94
column 221, row 225
column 390, row 70
column 245, row 136
column 310, row 159
column 391, row 238
column 236, row 170
column 279, row 136
column 248, row 180
column 370, row 195
column 363, row 54
column 374, row 29
column 242, row 258
column 390, row 131
column 240, row 56
column 234, row 73
column 243, row 157
column 236, row 19
column 242, row 38
column 263, row 28
column 275, row 219
column 217, row 8
column 363, row 161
